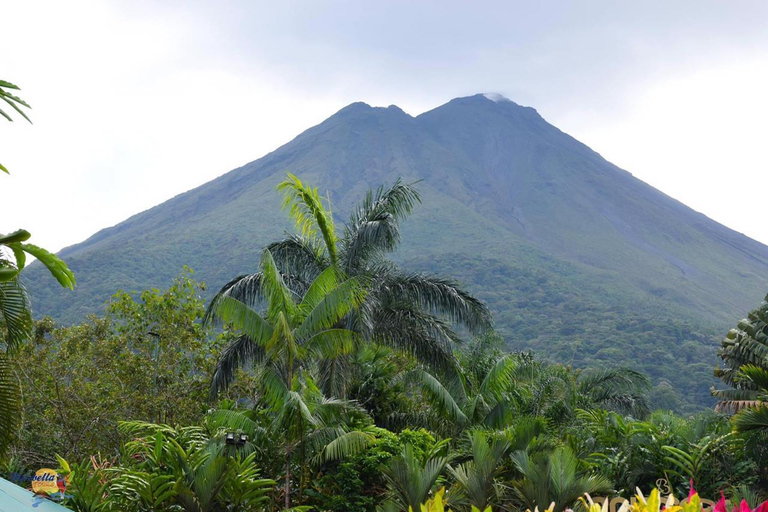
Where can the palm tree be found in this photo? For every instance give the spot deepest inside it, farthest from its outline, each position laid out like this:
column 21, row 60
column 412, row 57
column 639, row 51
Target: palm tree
column 620, row 389
column 557, row 392
column 181, row 469
column 554, row 478
column 489, row 403
column 407, row 311
column 411, row 478
column 292, row 333
column 476, row 480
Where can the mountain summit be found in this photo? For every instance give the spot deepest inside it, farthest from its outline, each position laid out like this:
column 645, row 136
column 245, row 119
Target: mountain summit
column 576, row 257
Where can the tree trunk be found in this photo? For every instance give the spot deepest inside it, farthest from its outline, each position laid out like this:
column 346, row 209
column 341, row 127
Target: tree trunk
column 287, row 482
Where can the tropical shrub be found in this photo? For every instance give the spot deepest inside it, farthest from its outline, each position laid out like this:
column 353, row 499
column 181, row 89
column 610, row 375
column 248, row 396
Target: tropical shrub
column 167, row 469
column 149, row 359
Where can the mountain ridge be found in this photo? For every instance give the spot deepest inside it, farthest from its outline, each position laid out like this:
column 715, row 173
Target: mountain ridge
column 565, row 232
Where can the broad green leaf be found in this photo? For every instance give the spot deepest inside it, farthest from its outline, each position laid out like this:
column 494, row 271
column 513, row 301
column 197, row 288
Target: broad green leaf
column 20, row 235
column 8, row 273
column 56, row 266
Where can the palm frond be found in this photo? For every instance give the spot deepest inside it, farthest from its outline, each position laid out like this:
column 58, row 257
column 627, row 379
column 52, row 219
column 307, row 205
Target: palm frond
column 346, row 445
column 755, row 375
column 427, row 338
column 334, row 375
column 332, row 307
column 411, row 479
column 237, row 314
column 53, row 263
column 554, row 478
column 299, row 256
column 323, row 284
column 240, row 352
column 441, row 296
column 752, row 418
column 476, row 479
column 307, row 210
column 278, row 295
column 332, row 343
column 10, row 403
column 245, row 288
column 499, row 378
column 15, row 313
column 441, row 400
column 619, row 389
column 228, row 419
column 373, row 227
column 12, row 100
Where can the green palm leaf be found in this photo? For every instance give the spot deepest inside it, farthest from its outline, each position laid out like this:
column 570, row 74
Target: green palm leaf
column 332, row 307
column 237, row 314
column 752, row 419
column 278, row 295
column 15, row 313
column 442, row 296
column 240, row 352
column 373, row 227
column 56, row 266
column 307, row 210
column 440, row 398
column 10, row 402
column 332, row 343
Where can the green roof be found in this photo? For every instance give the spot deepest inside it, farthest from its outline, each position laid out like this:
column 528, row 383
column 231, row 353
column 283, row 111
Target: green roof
column 17, row 499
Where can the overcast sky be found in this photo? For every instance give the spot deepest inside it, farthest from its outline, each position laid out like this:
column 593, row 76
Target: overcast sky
column 135, row 102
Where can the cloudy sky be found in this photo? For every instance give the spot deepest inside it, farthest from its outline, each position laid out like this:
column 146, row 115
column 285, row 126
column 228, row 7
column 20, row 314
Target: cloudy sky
column 135, row 102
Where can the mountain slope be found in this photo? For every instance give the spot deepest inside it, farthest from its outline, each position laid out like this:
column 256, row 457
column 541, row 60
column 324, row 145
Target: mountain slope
column 573, row 254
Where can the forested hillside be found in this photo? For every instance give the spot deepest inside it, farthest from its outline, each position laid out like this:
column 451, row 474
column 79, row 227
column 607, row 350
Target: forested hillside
column 577, row 259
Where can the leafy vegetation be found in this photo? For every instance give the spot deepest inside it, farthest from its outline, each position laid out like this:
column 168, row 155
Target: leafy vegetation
column 293, row 391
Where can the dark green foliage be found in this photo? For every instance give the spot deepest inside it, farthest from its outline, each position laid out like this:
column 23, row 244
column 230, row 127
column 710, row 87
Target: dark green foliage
column 358, row 484
column 637, row 453
column 745, row 347
column 150, row 360
column 557, row 477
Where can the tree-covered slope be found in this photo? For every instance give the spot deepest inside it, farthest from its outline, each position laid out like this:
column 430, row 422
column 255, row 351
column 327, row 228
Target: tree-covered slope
column 576, row 257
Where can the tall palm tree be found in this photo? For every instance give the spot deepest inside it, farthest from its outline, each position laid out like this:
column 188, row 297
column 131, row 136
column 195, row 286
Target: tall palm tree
column 292, row 333
column 407, row 311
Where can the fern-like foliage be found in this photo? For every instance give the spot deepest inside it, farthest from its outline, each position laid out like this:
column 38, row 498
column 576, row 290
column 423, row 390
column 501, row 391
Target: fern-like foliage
column 743, row 347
